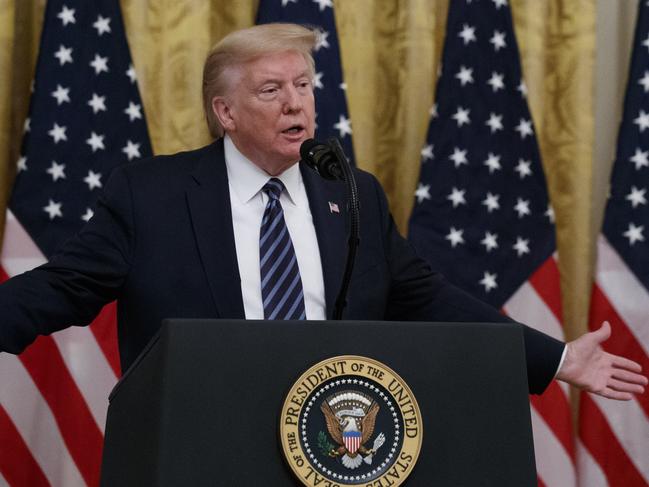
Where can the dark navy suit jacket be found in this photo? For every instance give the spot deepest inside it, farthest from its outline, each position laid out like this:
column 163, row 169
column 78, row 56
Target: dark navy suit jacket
column 161, row 242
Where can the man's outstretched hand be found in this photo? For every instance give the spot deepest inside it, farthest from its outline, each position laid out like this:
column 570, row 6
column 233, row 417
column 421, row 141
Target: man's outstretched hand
column 590, row 368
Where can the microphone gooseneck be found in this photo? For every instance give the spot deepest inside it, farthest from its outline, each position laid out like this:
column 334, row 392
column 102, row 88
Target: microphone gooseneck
column 329, row 161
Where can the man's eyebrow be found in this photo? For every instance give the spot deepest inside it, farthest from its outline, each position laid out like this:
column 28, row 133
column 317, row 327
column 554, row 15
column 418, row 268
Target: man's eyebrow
column 274, row 79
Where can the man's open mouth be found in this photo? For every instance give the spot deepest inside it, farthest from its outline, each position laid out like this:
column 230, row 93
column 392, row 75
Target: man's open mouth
column 294, row 129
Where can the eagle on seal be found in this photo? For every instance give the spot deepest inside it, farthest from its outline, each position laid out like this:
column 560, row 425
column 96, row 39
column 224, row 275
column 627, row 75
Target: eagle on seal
column 351, row 430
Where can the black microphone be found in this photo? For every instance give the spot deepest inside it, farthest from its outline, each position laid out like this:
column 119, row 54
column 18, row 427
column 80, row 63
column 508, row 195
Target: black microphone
column 329, row 161
column 322, row 158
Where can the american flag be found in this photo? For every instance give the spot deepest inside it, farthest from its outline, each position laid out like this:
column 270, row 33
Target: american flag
column 332, row 118
column 85, row 117
column 482, row 213
column 613, row 446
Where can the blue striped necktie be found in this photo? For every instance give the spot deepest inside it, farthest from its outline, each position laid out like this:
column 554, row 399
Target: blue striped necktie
column 281, row 285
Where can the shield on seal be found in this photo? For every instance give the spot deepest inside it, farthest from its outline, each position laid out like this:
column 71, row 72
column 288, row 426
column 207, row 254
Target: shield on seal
column 352, row 440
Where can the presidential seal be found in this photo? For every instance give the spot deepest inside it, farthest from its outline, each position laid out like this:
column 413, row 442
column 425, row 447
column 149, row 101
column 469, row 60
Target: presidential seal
column 351, row 421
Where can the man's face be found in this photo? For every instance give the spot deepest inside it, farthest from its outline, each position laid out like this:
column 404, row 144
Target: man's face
column 270, row 110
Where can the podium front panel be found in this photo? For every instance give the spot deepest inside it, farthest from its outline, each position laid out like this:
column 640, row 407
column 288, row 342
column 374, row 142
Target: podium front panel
column 201, row 406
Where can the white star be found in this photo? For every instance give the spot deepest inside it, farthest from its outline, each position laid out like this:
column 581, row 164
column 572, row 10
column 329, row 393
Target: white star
column 286, row 2
column 465, row 75
column 321, row 40
column 323, row 4
column 458, row 157
column 522, row 87
column 99, row 64
column 523, row 168
column 133, row 111
column 66, row 15
column 317, row 80
column 423, row 192
column 499, row 3
column 521, row 246
column 101, row 24
column 427, row 152
column 433, row 111
column 131, row 150
column 642, row 121
column 549, row 213
column 64, row 55
column 522, row 207
column 343, row 86
column 93, row 180
column 343, row 126
column 98, row 103
column 88, row 215
column 646, row 42
column 53, row 209
column 461, row 116
column 467, row 34
column 495, row 122
column 57, row 171
column 493, row 163
column 130, row 72
column 457, row 197
column 455, row 237
column 496, row 81
column 644, row 81
column 640, row 158
column 58, row 133
column 489, row 281
column 61, row 94
column 498, row 40
column 524, row 128
column 637, row 196
column 491, row 202
column 96, row 142
column 634, row 234
column 490, row 241
column 27, row 126
column 22, row 163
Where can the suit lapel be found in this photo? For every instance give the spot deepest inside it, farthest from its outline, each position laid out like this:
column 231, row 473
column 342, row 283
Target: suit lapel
column 208, row 199
column 331, row 230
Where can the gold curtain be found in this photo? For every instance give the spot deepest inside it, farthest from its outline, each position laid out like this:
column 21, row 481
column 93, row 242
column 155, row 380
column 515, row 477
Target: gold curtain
column 390, row 50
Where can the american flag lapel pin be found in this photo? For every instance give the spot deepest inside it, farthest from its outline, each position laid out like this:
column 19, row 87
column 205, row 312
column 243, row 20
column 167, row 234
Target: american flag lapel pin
column 333, row 207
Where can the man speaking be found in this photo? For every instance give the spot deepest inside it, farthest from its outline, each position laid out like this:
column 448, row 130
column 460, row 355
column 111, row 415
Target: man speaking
column 239, row 229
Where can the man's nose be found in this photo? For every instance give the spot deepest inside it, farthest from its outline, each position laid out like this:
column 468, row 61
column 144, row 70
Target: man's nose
column 292, row 100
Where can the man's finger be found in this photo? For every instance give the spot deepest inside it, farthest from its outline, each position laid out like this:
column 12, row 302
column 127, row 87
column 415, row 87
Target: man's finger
column 630, row 377
column 618, row 396
column 621, row 386
column 625, row 363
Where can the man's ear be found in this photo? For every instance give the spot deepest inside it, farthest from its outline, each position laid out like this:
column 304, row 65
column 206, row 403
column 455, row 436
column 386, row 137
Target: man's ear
column 222, row 110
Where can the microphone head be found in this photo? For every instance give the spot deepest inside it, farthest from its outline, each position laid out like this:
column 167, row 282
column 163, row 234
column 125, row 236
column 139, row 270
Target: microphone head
column 308, row 149
column 320, row 157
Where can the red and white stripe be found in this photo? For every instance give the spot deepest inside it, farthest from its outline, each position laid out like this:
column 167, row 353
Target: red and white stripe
column 54, row 396
column 614, row 436
column 538, row 304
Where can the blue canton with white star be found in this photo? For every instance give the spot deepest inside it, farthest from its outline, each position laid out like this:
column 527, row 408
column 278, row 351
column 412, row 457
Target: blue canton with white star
column 332, row 119
column 85, row 117
column 626, row 221
column 481, row 214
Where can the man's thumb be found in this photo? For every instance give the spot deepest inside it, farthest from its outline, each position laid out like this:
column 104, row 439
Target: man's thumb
column 603, row 333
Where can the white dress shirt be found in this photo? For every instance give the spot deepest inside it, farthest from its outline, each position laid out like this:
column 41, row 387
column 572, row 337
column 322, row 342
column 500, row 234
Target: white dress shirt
column 245, row 181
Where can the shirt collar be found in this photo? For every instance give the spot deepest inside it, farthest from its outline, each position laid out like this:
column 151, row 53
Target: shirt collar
column 246, row 178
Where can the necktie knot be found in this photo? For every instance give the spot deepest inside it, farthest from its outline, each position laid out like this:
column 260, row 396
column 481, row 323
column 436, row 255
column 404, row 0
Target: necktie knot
column 273, row 188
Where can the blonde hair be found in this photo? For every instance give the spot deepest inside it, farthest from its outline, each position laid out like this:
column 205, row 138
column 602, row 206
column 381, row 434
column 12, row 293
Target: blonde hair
column 242, row 46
